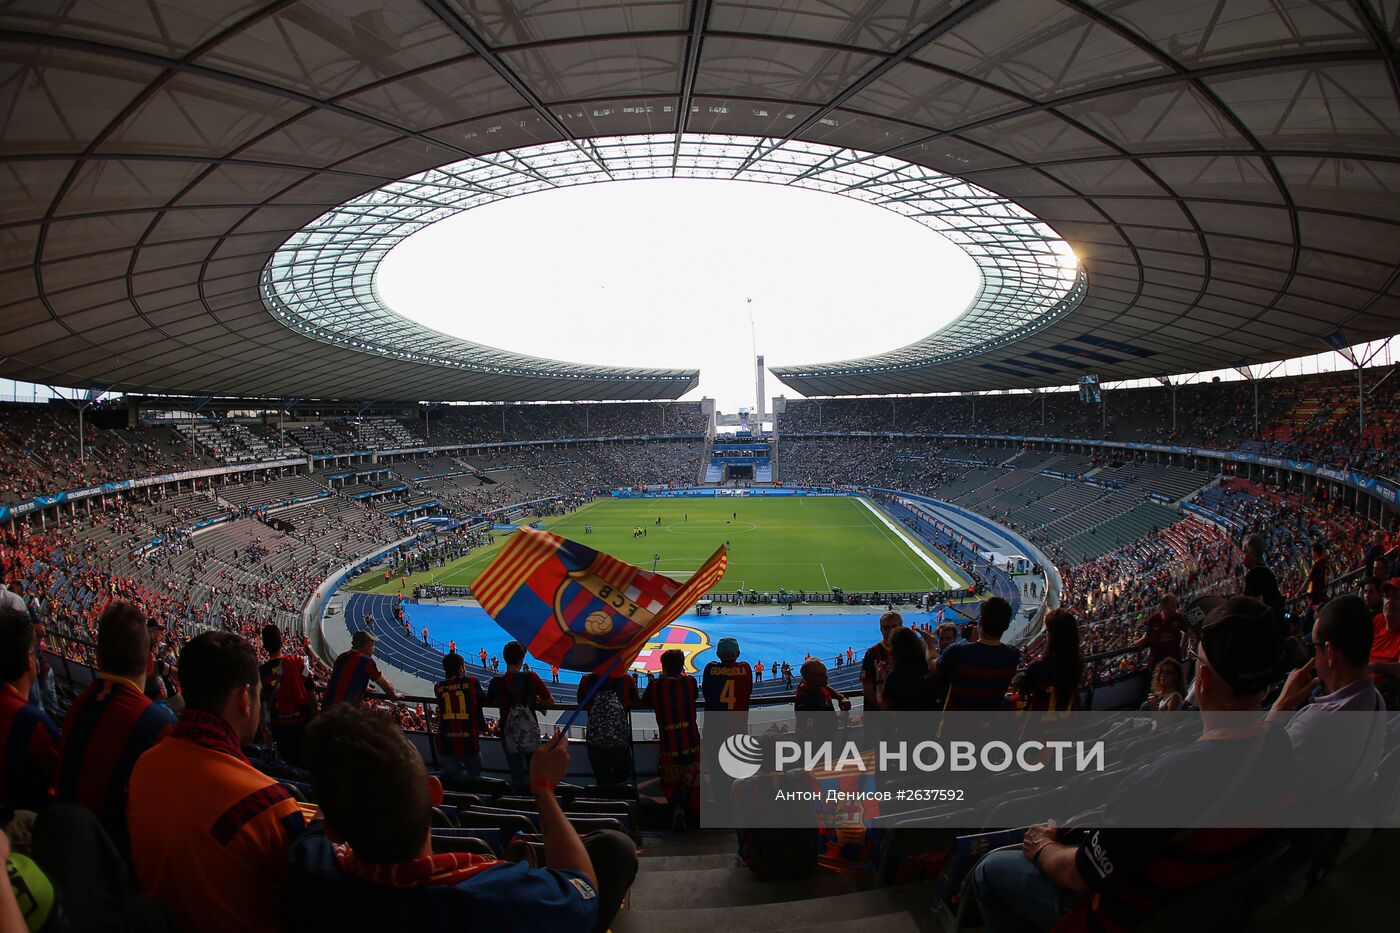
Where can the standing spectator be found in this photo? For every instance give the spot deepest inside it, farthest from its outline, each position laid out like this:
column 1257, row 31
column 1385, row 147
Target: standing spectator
column 1162, row 637
column 1260, row 582
column 363, row 864
column 353, row 672
column 28, row 737
column 908, row 683
column 112, row 723
column 876, row 662
column 1337, row 755
column 979, row 672
column 609, row 731
column 1317, row 579
column 209, row 832
column 522, row 693
column 286, row 694
column 727, row 683
column 812, row 702
column 947, row 636
column 1052, row 682
column 1374, row 557
column 460, row 722
column 673, row 696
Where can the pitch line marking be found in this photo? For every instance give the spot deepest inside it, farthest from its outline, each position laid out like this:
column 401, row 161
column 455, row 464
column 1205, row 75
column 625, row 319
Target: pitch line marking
column 888, row 540
column 949, row 583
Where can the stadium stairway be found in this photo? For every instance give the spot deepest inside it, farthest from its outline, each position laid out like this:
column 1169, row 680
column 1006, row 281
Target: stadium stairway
column 695, row 884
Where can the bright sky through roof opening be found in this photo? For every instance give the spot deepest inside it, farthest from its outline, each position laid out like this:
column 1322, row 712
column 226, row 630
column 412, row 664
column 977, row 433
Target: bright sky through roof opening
column 660, row 273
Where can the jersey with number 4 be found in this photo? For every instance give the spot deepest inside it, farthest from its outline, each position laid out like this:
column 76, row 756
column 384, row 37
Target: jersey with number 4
column 460, row 721
column 727, row 685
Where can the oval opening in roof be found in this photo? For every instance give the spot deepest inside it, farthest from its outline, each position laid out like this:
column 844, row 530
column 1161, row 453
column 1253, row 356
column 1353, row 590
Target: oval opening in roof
column 669, row 273
column 323, row 281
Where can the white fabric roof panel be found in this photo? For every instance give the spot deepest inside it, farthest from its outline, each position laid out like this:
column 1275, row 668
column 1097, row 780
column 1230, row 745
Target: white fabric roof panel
column 1227, row 170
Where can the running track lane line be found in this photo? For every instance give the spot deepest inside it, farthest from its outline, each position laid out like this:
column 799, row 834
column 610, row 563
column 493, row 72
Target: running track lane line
column 899, row 532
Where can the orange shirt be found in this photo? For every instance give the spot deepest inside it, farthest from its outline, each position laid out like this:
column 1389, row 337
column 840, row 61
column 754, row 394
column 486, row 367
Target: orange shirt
column 1385, row 647
column 209, row 832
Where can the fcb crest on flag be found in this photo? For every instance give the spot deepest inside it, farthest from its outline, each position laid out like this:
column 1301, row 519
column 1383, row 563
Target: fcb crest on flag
column 579, row 608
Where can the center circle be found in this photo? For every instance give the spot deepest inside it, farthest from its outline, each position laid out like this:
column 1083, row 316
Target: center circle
column 711, row 527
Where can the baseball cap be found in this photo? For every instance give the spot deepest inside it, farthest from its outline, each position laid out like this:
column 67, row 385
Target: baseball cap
column 1240, row 638
column 727, row 648
column 1197, row 609
column 362, row 639
column 1391, row 586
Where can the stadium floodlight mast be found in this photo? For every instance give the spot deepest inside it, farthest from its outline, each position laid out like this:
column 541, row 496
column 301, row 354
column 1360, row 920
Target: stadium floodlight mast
column 1166, row 381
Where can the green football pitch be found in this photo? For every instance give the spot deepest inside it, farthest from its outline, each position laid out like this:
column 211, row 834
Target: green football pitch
column 798, row 543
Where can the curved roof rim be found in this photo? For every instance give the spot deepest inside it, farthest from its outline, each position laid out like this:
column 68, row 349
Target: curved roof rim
column 321, row 281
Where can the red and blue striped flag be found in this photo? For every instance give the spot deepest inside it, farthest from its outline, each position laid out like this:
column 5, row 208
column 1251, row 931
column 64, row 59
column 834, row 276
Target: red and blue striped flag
column 579, row 608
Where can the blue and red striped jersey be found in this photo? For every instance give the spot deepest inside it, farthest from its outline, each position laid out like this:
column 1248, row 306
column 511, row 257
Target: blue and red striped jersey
column 673, row 698
column 350, row 678
column 30, row 742
column 109, row 726
column 978, row 674
column 460, row 719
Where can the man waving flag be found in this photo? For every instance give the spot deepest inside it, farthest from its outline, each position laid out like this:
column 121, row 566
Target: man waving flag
column 579, row 608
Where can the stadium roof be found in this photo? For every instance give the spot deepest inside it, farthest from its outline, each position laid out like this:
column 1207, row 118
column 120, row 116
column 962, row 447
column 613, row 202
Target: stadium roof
column 1227, row 173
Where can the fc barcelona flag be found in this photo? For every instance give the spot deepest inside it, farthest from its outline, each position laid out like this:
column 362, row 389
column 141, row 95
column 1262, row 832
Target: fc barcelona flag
column 579, row 608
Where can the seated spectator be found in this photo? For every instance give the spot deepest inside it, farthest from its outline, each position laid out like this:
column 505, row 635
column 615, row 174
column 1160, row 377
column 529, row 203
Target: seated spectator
column 1118, row 875
column 112, row 723
column 1168, row 687
column 460, row 722
column 1385, row 644
column 673, row 696
column 522, row 693
column 1336, row 754
column 286, row 694
column 978, row 672
column 1371, row 594
column 28, row 736
column 209, row 832
column 8, row 598
column 609, row 731
column 368, row 864
column 1052, row 682
column 353, row 672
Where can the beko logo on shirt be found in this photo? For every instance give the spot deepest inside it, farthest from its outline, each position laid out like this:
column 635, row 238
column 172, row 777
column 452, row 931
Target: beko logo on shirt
column 1098, row 858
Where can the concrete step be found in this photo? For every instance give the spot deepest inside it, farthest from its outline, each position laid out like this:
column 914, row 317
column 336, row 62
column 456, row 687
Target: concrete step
column 668, row 863
column 697, row 843
column 686, row 888
column 900, row 922
column 818, row 913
